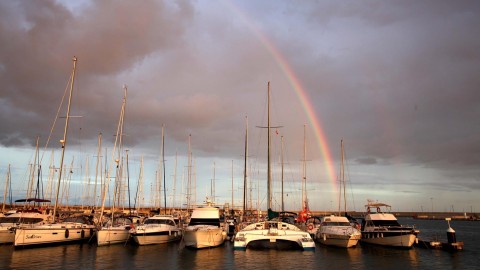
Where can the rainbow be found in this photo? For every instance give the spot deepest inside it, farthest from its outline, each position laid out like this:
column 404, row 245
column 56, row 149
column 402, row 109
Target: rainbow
column 300, row 92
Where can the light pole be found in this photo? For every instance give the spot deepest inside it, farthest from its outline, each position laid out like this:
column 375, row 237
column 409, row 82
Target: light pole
column 431, row 200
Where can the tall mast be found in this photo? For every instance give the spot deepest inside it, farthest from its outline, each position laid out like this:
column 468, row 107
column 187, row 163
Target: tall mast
column 212, row 185
column 32, row 174
column 96, row 169
column 232, row 186
column 245, row 167
column 163, row 169
column 138, row 196
column 304, row 183
column 343, row 179
column 64, row 140
column 174, row 181
column 189, row 173
column 7, row 181
column 118, row 143
column 128, row 185
column 269, row 172
column 87, row 176
column 283, row 204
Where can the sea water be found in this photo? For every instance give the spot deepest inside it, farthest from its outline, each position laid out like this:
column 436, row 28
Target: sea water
column 175, row 256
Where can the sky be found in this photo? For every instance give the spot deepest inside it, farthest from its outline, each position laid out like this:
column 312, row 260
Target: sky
column 397, row 81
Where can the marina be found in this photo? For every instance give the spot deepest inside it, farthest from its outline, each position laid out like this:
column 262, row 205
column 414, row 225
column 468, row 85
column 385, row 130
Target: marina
column 174, row 140
column 175, row 256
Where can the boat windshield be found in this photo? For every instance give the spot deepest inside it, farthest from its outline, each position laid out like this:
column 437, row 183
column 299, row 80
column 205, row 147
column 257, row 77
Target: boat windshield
column 204, row 221
column 331, row 223
column 22, row 220
column 160, row 221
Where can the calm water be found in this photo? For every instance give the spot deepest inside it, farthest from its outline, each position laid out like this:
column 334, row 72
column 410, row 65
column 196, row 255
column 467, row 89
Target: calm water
column 174, row 256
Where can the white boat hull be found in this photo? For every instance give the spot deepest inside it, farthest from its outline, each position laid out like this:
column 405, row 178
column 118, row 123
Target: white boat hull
column 260, row 236
column 7, row 235
column 53, row 234
column 343, row 241
column 204, row 237
column 337, row 235
column 113, row 235
column 18, row 220
column 151, row 238
column 404, row 241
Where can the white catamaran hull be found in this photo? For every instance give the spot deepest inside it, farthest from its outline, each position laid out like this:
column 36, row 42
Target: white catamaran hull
column 53, row 233
column 259, row 236
column 113, row 235
column 204, row 237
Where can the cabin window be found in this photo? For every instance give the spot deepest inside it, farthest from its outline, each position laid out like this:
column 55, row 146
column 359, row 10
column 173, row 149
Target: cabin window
column 160, row 221
column 204, row 221
column 383, row 223
column 20, row 220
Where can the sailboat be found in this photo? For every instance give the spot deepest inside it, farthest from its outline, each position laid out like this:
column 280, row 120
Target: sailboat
column 75, row 228
column 116, row 229
column 28, row 216
column 272, row 234
column 337, row 230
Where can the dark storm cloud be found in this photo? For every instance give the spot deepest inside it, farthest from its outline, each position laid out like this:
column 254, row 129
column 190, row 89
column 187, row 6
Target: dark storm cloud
column 399, row 80
column 38, row 39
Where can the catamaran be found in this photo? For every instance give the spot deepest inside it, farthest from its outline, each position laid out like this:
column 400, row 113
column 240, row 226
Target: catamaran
column 272, row 234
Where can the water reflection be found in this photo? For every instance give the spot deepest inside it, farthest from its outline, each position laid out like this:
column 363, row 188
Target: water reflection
column 175, row 256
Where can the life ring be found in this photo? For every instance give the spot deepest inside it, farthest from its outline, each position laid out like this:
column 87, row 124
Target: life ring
column 310, row 227
column 67, row 233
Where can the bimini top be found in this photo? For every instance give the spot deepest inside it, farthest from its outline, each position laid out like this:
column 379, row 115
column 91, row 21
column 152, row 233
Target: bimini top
column 377, row 205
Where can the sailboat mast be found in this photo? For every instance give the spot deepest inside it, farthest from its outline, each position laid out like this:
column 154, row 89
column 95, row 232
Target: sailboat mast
column 163, row 169
column 269, row 172
column 64, row 140
column 212, row 184
column 96, row 170
column 343, row 179
column 7, row 180
column 117, row 143
column 304, row 183
column 174, row 181
column 283, row 202
column 189, row 173
column 128, row 184
column 245, row 167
